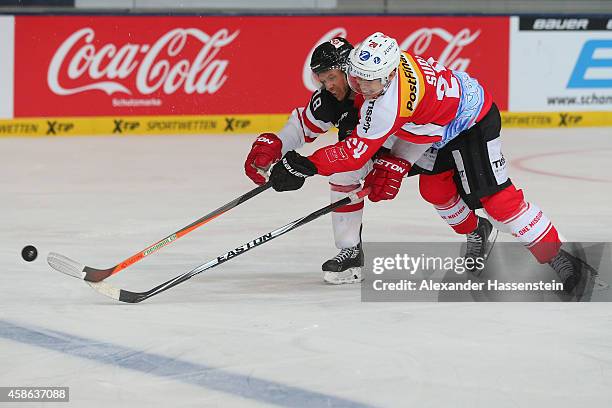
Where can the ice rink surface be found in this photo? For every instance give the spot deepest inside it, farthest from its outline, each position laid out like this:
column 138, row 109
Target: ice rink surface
column 263, row 329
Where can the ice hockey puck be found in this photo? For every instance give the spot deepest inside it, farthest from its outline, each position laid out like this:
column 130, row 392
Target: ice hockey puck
column 29, row 253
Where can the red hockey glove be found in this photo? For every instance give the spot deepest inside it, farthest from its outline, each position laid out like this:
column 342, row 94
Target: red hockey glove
column 266, row 150
column 386, row 177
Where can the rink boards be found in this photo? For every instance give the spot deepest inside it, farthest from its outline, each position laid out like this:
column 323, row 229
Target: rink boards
column 104, row 75
column 242, row 124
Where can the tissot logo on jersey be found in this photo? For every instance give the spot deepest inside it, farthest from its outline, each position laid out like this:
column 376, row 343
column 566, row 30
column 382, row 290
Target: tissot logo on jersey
column 368, row 116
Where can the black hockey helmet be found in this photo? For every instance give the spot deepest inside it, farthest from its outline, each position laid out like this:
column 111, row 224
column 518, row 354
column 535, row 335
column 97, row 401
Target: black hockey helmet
column 332, row 54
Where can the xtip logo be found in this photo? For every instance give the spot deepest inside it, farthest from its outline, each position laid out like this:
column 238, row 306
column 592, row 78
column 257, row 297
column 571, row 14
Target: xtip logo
column 125, row 125
column 53, row 127
column 592, row 68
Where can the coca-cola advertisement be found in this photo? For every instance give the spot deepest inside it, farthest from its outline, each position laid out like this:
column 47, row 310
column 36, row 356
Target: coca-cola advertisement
column 159, row 65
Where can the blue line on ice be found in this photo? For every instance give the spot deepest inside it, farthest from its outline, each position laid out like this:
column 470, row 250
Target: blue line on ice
column 154, row 364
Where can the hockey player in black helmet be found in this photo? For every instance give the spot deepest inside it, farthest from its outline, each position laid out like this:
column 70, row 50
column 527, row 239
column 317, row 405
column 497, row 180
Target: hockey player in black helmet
column 329, row 60
column 328, row 65
column 332, row 54
column 334, row 98
column 331, row 105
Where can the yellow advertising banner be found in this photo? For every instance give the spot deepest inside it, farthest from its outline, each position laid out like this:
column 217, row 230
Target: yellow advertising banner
column 243, row 124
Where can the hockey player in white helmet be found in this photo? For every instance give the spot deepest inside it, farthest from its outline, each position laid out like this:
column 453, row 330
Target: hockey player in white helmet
column 331, row 105
column 372, row 69
column 454, row 128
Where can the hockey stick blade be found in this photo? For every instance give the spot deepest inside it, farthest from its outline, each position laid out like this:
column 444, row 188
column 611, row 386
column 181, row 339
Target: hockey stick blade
column 73, row 268
column 63, row 264
column 126, row 296
column 66, row 265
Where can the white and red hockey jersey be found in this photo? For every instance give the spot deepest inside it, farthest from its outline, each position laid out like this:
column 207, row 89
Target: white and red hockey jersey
column 425, row 103
column 322, row 113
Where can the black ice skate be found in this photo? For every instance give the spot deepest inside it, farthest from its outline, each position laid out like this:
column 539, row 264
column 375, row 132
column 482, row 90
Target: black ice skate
column 568, row 268
column 344, row 267
column 479, row 245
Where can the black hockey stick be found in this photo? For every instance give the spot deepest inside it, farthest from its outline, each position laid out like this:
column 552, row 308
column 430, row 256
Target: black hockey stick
column 78, row 270
column 136, row 297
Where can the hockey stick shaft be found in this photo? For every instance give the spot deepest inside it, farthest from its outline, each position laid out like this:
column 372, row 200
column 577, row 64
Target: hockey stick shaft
column 73, row 268
column 136, row 297
column 194, row 225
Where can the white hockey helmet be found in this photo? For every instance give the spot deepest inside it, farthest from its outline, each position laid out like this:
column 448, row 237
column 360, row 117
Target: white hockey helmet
column 371, row 64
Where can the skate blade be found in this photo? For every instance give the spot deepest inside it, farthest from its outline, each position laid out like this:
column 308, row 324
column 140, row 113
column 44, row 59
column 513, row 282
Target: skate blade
column 590, row 281
column 351, row 275
column 491, row 240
